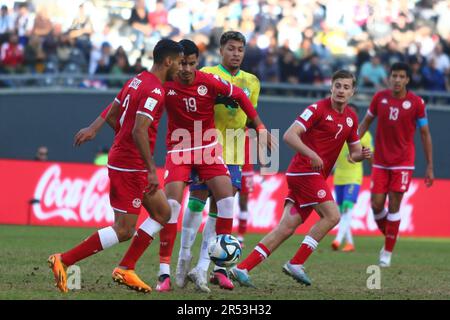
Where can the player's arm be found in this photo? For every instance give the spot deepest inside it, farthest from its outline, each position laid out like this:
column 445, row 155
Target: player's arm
column 140, row 137
column 293, row 139
column 365, row 124
column 89, row 133
column 358, row 153
column 428, row 149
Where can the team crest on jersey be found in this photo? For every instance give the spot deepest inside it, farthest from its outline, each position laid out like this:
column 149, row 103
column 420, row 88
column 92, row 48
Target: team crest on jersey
column 202, row 90
column 321, row 193
column 406, row 105
column 135, row 83
column 349, row 122
column 384, row 101
column 137, row 203
column 157, row 91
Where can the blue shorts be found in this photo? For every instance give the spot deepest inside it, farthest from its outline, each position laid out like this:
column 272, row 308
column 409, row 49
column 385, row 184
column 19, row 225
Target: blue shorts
column 235, row 175
column 346, row 192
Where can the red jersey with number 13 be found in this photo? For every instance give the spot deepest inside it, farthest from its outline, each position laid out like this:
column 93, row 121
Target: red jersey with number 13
column 394, row 140
column 326, row 132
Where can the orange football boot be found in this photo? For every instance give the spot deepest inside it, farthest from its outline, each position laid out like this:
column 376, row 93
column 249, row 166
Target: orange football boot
column 59, row 271
column 130, row 279
column 348, row 248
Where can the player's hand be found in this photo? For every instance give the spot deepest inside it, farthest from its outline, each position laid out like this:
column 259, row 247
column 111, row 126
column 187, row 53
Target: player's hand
column 153, row 183
column 316, row 162
column 85, row 134
column 350, row 159
column 366, row 153
column 429, row 176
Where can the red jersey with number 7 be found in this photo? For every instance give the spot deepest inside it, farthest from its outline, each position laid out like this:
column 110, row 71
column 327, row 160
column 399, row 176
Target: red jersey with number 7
column 326, row 132
column 144, row 95
column 394, row 139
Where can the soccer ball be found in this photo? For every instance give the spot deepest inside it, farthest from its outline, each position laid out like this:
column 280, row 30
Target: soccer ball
column 225, row 250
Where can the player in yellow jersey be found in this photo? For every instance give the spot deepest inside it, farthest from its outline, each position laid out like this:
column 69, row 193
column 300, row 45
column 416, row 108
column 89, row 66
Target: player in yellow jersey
column 347, row 180
column 228, row 120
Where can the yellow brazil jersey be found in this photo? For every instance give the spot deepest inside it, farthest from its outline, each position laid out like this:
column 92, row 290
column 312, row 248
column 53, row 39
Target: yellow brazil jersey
column 349, row 173
column 234, row 118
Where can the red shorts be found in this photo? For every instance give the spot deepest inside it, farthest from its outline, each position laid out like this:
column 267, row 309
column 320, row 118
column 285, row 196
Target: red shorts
column 127, row 190
column 384, row 180
column 247, row 181
column 207, row 169
column 306, row 191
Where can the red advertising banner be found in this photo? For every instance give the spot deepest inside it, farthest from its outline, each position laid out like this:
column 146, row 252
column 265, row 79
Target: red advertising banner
column 76, row 195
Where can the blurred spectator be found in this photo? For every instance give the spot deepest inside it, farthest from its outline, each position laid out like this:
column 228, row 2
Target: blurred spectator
column 34, row 55
column 180, row 17
column 158, row 17
column 373, row 74
column 391, row 54
column 252, row 58
column 434, row 79
column 442, row 60
column 41, row 154
column 269, row 69
column 137, row 67
column 24, row 24
column 6, row 24
column 12, row 55
column 310, row 71
column 81, row 30
column 42, row 24
column 102, row 64
column 139, row 22
column 289, row 66
column 416, row 81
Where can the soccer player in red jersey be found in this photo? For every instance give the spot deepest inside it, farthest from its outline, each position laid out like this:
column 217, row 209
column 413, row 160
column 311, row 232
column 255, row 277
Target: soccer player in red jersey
column 399, row 112
column 317, row 135
column 131, row 169
column 193, row 144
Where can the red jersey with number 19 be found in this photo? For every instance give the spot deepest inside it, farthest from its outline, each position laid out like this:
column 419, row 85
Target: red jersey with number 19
column 144, row 95
column 394, row 140
column 326, row 132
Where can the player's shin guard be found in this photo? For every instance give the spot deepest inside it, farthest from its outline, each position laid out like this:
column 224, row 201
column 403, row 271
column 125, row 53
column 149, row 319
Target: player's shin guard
column 192, row 219
column 392, row 227
column 100, row 240
column 208, row 234
column 308, row 246
column 168, row 234
column 141, row 240
column 224, row 223
column 380, row 219
column 258, row 255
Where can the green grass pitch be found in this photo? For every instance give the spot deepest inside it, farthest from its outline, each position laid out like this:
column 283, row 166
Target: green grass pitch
column 420, row 270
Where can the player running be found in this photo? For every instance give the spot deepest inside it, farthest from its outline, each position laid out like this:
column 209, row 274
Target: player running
column 317, row 136
column 231, row 120
column 347, row 180
column 399, row 111
column 131, row 169
column 193, row 144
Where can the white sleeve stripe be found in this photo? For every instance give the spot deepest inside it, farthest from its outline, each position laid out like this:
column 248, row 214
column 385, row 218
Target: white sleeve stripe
column 298, row 122
column 117, row 100
column 354, row 142
column 370, row 113
column 145, row 114
column 231, row 90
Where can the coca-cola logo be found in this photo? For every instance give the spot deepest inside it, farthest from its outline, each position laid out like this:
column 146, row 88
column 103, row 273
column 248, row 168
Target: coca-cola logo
column 76, row 199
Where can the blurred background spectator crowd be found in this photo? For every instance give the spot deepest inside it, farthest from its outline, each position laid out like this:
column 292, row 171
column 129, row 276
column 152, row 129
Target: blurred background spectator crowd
column 288, row 41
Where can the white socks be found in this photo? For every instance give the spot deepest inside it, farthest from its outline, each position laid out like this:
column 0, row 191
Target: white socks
column 191, row 224
column 108, row 237
column 209, row 232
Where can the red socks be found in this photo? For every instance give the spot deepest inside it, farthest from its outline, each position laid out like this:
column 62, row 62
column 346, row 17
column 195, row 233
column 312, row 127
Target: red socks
column 85, row 249
column 167, row 238
column 256, row 257
column 391, row 233
column 242, row 229
column 140, row 243
column 308, row 246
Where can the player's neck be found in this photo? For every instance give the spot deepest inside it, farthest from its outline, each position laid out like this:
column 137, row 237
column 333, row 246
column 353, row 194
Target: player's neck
column 159, row 72
column 231, row 71
column 338, row 107
column 399, row 94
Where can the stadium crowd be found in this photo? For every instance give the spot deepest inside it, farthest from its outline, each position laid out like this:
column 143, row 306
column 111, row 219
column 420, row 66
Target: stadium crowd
column 289, row 41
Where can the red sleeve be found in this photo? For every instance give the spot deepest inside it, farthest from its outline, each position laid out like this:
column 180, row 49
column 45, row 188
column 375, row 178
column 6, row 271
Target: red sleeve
column 373, row 108
column 353, row 137
column 105, row 112
column 150, row 101
column 310, row 116
column 224, row 88
column 119, row 96
column 421, row 111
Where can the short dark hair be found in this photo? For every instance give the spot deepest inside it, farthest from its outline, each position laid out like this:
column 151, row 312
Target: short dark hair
column 189, row 47
column 232, row 35
column 344, row 74
column 398, row 66
column 165, row 48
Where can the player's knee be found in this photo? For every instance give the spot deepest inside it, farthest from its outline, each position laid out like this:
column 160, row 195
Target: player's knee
column 285, row 231
column 124, row 233
column 334, row 219
column 196, row 205
column 377, row 207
